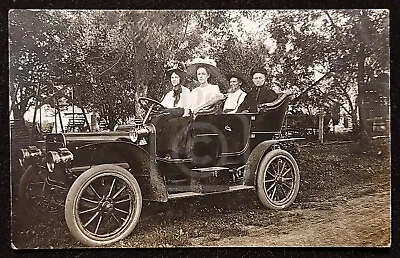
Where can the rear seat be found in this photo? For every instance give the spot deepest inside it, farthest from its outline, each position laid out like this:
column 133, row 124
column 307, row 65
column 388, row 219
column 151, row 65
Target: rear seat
column 282, row 97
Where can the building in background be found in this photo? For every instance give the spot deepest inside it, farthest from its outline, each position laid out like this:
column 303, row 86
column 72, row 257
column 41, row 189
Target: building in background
column 377, row 104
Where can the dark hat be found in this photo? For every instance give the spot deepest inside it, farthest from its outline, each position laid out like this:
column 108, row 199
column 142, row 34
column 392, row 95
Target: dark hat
column 237, row 75
column 258, row 70
column 177, row 68
column 209, row 64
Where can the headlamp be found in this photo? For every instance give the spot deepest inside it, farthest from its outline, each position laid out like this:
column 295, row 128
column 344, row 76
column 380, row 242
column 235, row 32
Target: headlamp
column 136, row 133
column 30, row 152
column 62, row 156
column 133, row 134
column 51, row 160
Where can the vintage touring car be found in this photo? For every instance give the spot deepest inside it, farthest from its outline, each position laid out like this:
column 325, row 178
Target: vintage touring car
column 99, row 179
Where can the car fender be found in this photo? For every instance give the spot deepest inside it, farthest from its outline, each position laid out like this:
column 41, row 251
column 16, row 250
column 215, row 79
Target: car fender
column 255, row 157
column 142, row 165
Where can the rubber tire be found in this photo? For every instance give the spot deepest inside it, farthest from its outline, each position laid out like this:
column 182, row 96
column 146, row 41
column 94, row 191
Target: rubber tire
column 265, row 161
column 23, row 183
column 75, row 192
column 23, row 198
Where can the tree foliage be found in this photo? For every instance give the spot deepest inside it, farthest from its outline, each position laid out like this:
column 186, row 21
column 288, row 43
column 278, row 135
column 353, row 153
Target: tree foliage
column 240, row 56
column 328, row 41
column 110, row 58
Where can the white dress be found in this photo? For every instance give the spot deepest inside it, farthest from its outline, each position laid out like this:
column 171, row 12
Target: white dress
column 234, row 100
column 184, row 101
column 202, row 94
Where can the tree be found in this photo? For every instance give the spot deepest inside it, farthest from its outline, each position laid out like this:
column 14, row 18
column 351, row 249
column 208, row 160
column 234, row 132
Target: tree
column 108, row 58
column 29, row 45
column 234, row 55
column 124, row 53
column 351, row 45
column 363, row 41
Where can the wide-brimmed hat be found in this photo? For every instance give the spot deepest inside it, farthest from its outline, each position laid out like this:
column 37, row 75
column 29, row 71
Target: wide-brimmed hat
column 209, row 64
column 177, row 68
column 259, row 69
column 237, row 75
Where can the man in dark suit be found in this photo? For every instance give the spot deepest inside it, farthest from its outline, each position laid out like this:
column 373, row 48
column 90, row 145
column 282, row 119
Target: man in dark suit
column 260, row 94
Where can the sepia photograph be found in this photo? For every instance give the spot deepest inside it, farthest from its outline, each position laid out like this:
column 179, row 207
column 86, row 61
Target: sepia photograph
column 199, row 128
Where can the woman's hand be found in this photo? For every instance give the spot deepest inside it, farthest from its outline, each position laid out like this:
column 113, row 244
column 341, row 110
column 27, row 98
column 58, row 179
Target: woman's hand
column 186, row 112
column 195, row 110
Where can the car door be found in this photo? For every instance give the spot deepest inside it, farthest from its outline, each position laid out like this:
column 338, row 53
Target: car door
column 230, row 130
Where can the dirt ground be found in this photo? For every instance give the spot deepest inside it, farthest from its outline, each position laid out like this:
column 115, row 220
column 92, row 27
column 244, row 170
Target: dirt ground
column 344, row 200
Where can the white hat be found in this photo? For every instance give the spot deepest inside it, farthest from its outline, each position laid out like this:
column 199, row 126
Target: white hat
column 210, row 64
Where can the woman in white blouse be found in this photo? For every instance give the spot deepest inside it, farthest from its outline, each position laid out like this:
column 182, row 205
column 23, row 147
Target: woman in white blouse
column 174, row 142
column 206, row 94
column 179, row 95
column 171, row 123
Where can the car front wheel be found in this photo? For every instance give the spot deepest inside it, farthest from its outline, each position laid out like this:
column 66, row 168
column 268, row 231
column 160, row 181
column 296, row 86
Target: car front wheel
column 103, row 205
column 278, row 179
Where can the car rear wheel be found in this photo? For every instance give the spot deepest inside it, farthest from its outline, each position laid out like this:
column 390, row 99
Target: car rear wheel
column 103, row 205
column 36, row 195
column 278, row 179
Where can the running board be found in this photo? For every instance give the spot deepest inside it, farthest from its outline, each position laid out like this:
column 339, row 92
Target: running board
column 191, row 194
column 84, row 168
column 174, row 161
column 210, row 169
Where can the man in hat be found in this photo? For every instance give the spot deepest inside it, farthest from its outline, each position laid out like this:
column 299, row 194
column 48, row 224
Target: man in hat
column 259, row 95
column 235, row 95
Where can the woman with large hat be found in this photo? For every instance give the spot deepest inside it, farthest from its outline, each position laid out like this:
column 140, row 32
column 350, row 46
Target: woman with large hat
column 179, row 95
column 206, row 94
column 174, row 142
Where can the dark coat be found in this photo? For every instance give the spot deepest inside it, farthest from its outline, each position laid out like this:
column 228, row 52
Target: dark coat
column 258, row 95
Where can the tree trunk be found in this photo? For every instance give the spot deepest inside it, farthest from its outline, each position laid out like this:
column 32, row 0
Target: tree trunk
column 321, row 125
column 111, row 123
column 139, row 112
column 112, row 118
column 17, row 113
column 354, row 121
column 360, row 81
column 140, row 91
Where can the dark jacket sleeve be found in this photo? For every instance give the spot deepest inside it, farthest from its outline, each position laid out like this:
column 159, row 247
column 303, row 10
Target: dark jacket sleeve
column 267, row 95
column 249, row 103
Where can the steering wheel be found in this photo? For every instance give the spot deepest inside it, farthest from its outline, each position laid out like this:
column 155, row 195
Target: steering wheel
column 147, row 103
column 150, row 105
